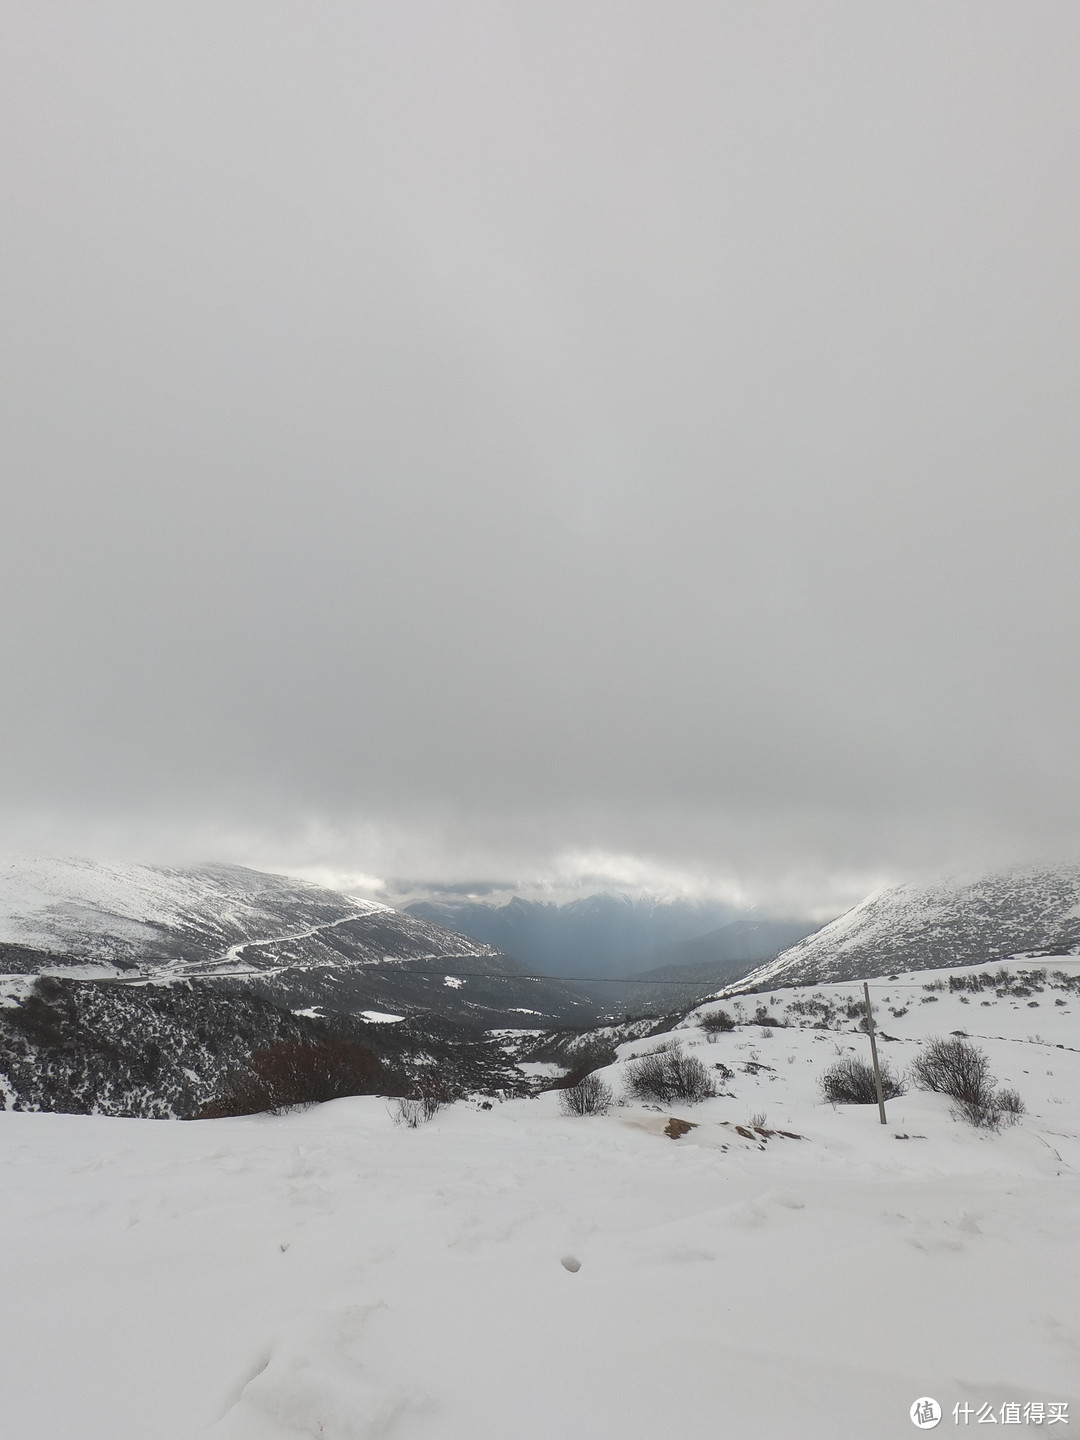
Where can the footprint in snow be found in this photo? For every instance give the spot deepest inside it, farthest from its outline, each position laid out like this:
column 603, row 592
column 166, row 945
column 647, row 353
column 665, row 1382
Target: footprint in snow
column 314, row 1382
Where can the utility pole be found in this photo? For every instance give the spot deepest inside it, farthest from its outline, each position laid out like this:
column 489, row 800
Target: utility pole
column 873, row 1054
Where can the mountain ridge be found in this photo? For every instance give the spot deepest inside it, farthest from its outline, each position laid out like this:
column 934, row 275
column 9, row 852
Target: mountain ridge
column 294, row 943
column 941, row 925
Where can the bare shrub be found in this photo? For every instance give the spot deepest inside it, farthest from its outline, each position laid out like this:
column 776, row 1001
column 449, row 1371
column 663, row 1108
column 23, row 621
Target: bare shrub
column 955, row 1068
column 991, row 1110
column 959, row 1069
column 984, row 1112
column 429, row 1097
column 646, row 1078
column 299, row 1072
column 718, row 1023
column 688, row 1077
column 1010, row 1105
column 851, row 1082
column 408, row 1111
column 590, row 1096
column 669, row 1075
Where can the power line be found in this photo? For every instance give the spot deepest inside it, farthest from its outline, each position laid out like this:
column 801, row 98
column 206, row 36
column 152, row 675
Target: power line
column 781, row 984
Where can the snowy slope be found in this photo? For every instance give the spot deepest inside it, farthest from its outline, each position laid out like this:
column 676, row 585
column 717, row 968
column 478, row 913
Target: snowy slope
column 152, row 914
column 515, row 1273
column 293, row 943
column 926, row 926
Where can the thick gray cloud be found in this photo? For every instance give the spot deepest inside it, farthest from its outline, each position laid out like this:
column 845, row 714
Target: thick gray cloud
column 489, row 439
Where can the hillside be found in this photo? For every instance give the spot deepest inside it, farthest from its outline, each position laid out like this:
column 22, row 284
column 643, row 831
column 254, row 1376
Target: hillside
column 926, row 927
column 695, row 968
column 163, row 1051
column 290, row 942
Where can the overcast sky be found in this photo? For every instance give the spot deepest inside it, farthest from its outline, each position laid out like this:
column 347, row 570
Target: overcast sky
column 542, row 440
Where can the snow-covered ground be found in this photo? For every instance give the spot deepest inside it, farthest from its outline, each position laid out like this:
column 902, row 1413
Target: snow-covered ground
column 513, row 1274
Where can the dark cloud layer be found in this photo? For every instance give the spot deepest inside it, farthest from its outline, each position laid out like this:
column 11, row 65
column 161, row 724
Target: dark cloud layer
column 478, row 439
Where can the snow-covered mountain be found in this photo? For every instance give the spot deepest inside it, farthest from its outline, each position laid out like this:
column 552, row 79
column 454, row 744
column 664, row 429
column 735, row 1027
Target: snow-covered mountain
column 153, row 915
column 291, row 942
column 922, row 927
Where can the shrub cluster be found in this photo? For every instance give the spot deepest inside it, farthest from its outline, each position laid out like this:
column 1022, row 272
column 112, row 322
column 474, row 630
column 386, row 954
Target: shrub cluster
column 416, row 1110
column 851, row 1082
column 961, row 1070
column 669, row 1075
column 821, row 1011
column 953, row 1067
column 589, row 1096
column 718, row 1023
column 299, row 1072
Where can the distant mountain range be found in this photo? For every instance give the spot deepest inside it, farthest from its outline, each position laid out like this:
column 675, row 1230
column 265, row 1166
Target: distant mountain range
column 601, row 935
column 695, row 968
column 292, row 943
column 922, row 927
column 133, row 990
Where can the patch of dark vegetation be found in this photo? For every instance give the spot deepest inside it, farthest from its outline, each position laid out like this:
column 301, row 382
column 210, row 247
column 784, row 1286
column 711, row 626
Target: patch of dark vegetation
column 815, row 1010
column 301, row 1072
column 164, row 1051
column 1017, row 984
column 592, row 1054
column 22, row 960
